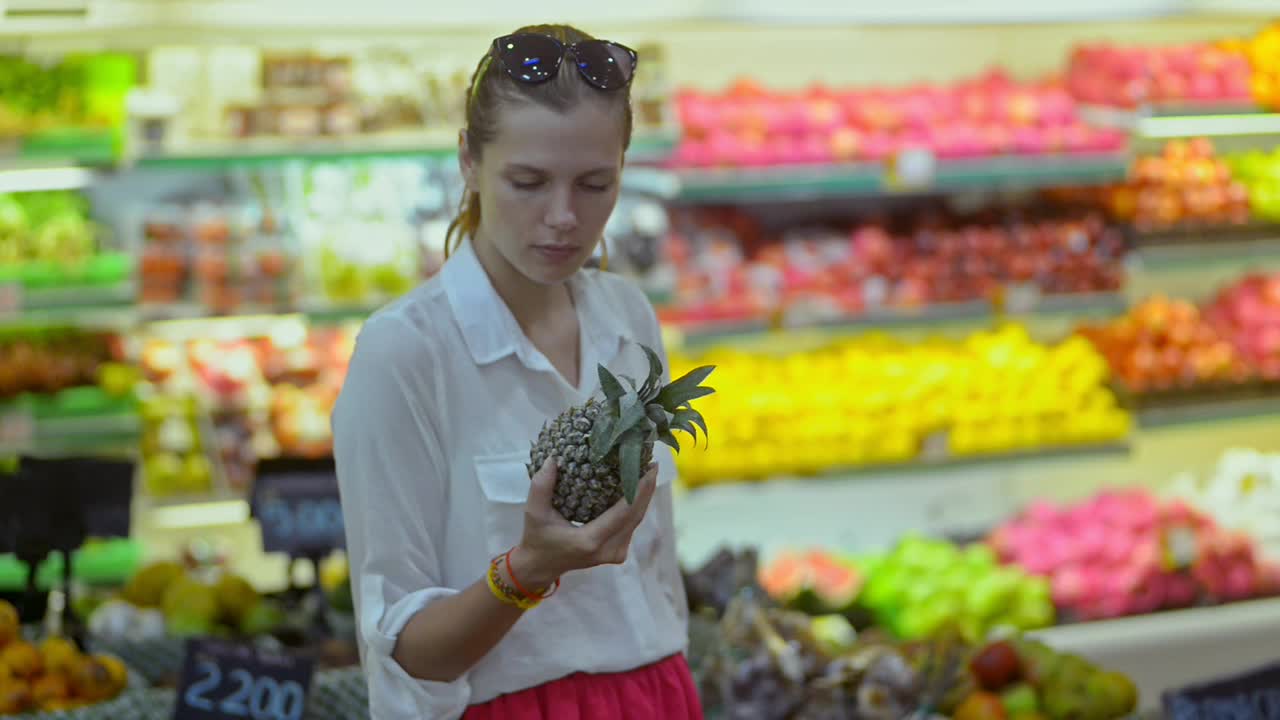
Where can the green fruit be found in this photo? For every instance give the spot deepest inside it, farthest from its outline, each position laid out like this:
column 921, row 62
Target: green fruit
column 190, row 598
column 236, row 597
column 262, row 618
column 1114, row 693
column 147, row 587
column 184, row 625
column 1020, row 698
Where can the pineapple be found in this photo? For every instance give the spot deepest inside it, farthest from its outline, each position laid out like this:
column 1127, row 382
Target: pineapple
column 602, row 447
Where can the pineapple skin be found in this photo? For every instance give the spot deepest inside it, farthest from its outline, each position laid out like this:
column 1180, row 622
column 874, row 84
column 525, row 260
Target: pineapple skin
column 584, row 490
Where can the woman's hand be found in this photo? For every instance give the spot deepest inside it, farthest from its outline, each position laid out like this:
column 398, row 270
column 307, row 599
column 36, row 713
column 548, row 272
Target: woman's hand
column 552, row 546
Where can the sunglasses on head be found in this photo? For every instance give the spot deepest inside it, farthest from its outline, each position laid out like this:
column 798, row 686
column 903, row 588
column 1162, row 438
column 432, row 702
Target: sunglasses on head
column 534, row 58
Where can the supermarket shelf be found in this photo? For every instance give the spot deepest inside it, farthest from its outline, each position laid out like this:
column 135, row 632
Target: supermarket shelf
column 1046, row 316
column 1206, row 405
column 440, row 143
column 84, row 306
column 1169, row 650
column 869, row 179
column 107, row 433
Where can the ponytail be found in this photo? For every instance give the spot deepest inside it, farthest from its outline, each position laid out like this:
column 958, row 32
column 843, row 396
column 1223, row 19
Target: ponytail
column 464, row 224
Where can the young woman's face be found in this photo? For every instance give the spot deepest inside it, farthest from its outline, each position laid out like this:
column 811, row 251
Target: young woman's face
column 547, row 184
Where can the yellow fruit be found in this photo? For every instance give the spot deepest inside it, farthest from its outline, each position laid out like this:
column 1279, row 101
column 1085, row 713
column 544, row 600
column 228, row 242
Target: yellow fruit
column 59, row 655
column 92, row 680
column 22, row 660
column 236, row 597
column 147, row 587
column 15, row 697
column 116, row 670
column 50, row 689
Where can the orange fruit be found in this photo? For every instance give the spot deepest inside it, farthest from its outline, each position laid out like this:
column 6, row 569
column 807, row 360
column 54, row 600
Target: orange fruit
column 15, row 696
column 50, row 688
column 59, row 654
column 92, row 680
column 116, row 669
column 22, row 659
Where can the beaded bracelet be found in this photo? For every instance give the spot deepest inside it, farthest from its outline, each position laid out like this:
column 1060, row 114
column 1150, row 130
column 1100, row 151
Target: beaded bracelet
column 539, row 595
column 504, row 592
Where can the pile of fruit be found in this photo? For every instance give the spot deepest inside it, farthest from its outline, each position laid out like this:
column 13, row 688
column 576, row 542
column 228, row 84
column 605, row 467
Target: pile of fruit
column 55, row 359
column 874, row 399
column 47, row 239
column 1027, row 680
column 761, row 662
column 1263, row 51
column 1242, row 494
column 1128, row 552
column 1163, row 344
column 53, row 675
column 1186, row 184
column 922, row 586
column 1247, row 312
column 1259, row 172
column 990, row 115
column 1129, row 77
column 38, row 96
column 164, row 599
column 175, row 458
column 815, row 581
column 908, row 262
column 268, row 393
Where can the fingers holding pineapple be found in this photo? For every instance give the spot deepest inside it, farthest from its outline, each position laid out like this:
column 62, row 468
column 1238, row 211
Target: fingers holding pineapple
column 551, row 545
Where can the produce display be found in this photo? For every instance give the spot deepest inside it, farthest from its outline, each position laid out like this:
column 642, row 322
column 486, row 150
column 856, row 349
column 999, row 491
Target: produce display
column 266, row 393
column 1263, row 51
column 729, row 268
column 756, row 661
column 874, row 399
column 165, row 599
column 47, row 239
column 1241, row 494
column 748, row 125
column 1126, row 552
column 1133, row 76
column 1187, row 184
column 1259, row 172
column 53, row 674
column 85, row 91
column 50, row 360
column 175, row 457
column 1162, row 344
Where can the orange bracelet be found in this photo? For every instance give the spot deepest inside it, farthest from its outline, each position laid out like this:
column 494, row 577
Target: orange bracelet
column 537, row 596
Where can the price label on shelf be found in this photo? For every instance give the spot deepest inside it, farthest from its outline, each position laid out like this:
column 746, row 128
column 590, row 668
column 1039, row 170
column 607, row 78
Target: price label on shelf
column 17, row 429
column 300, row 512
column 911, row 169
column 223, row 680
column 1253, row 695
column 10, row 298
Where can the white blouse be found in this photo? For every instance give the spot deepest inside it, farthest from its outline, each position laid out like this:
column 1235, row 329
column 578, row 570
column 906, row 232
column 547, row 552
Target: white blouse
column 432, row 430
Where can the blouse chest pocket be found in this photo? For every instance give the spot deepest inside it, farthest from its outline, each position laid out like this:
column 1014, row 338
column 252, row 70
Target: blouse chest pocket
column 504, row 486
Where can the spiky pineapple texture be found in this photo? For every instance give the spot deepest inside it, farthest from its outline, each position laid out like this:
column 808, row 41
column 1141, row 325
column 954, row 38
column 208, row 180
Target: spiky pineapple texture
column 602, row 447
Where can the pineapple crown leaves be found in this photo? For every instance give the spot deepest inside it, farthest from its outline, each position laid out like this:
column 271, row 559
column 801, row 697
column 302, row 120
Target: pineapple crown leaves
column 635, row 415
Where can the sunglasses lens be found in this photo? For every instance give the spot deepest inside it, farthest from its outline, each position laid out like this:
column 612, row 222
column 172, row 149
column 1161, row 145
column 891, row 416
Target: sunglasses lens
column 531, row 58
column 604, row 64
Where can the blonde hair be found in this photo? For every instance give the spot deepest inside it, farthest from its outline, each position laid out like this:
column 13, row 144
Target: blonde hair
column 487, row 94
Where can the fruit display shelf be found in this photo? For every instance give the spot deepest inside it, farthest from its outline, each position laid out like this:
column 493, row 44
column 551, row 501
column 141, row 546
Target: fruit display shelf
column 109, row 305
column 808, row 182
column 1204, row 404
column 216, row 155
column 1170, row 650
column 74, row 420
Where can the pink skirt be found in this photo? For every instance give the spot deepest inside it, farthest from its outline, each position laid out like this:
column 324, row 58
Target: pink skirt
column 661, row 691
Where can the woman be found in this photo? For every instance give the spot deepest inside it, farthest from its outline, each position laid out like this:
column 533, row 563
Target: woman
column 475, row 598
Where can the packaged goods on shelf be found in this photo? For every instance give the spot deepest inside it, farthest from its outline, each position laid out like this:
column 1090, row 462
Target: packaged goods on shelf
column 1133, row 76
column 728, row 267
column 1126, row 552
column 875, row 400
column 991, row 115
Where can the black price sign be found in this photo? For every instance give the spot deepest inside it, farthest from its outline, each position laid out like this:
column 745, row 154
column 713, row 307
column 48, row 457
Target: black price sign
column 1251, row 696
column 299, row 509
column 224, row 681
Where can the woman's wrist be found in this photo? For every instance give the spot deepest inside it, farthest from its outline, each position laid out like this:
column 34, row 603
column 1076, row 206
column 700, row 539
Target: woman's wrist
column 529, row 571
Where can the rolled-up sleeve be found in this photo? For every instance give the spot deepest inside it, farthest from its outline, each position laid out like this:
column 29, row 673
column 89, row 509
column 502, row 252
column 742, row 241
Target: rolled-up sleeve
column 393, row 483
